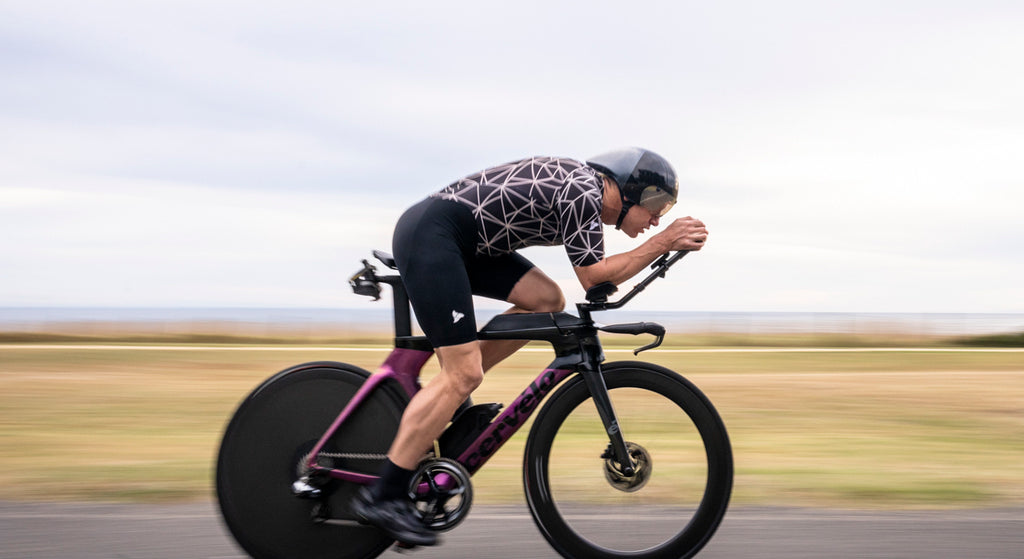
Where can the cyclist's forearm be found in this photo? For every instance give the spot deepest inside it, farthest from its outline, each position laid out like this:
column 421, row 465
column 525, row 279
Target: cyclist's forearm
column 620, row 267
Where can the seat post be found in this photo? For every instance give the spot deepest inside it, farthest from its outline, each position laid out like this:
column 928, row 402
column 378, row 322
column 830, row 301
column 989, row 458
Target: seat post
column 402, row 314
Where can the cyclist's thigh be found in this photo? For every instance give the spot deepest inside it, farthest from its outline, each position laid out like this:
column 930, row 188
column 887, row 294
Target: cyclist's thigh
column 429, row 245
column 496, row 276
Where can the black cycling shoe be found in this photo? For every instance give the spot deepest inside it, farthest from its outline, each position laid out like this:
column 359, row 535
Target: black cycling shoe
column 398, row 518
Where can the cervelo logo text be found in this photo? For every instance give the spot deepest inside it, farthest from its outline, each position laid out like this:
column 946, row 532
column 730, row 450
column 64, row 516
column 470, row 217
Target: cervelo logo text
column 522, row 409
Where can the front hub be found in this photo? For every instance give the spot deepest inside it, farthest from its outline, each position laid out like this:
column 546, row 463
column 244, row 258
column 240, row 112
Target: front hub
column 642, row 467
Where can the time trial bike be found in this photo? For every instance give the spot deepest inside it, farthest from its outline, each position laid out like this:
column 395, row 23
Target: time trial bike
column 624, row 459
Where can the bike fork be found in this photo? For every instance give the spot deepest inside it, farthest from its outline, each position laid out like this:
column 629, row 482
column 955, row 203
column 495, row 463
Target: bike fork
column 599, row 392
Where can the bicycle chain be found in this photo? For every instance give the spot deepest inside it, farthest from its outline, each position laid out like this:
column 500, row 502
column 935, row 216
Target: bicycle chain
column 352, row 455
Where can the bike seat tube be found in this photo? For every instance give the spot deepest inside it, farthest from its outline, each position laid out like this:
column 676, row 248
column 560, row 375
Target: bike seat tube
column 402, row 314
column 402, row 366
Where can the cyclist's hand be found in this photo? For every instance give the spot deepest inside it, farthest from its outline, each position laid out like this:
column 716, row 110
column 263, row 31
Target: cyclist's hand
column 686, row 233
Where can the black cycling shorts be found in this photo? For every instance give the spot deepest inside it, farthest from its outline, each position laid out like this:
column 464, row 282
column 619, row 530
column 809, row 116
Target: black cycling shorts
column 435, row 248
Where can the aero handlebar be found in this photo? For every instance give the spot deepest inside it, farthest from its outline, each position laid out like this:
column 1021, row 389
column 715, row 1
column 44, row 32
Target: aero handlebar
column 598, row 295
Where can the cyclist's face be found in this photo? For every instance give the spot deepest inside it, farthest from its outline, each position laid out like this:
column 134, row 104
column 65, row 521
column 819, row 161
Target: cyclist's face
column 638, row 219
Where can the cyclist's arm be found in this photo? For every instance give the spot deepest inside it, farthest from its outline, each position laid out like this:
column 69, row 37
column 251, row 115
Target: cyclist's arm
column 618, row 268
column 683, row 234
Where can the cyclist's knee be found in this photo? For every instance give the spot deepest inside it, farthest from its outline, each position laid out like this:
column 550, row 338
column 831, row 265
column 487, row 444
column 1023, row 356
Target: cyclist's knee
column 468, row 380
column 463, row 378
column 462, row 368
column 536, row 292
column 554, row 302
column 548, row 300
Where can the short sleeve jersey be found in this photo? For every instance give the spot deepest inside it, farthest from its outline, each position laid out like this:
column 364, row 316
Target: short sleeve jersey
column 541, row 201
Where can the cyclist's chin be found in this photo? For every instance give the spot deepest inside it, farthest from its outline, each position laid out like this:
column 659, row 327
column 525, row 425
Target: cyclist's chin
column 631, row 232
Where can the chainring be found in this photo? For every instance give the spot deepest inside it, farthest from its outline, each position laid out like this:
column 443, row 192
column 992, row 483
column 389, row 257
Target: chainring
column 442, row 492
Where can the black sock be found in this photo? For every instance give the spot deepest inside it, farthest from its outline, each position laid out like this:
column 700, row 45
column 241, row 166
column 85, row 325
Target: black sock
column 393, row 482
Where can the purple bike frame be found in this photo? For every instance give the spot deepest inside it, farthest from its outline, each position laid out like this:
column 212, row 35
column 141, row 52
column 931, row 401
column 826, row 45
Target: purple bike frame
column 404, row 366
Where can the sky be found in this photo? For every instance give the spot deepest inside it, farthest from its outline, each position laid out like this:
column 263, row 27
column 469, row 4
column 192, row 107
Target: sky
column 861, row 156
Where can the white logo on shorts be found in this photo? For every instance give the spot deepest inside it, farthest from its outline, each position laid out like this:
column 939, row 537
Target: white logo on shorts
column 456, row 316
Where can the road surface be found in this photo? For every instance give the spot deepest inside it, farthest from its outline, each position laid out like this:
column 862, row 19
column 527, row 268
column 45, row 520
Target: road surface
column 194, row 531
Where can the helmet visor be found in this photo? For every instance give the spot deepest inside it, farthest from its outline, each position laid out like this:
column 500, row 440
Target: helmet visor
column 656, row 200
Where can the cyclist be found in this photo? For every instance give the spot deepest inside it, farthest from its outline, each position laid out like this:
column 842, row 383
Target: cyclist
column 462, row 241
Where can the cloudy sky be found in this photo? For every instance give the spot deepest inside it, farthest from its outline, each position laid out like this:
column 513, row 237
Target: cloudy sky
column 857, row 156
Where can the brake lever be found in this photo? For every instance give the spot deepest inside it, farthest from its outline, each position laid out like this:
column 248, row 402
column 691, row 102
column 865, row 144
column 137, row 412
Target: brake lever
column 652, row 328
column 657, row 341
column 651, row 345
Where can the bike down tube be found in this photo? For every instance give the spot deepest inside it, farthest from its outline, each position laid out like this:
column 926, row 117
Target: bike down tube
column 402, row 366
column 512, row 419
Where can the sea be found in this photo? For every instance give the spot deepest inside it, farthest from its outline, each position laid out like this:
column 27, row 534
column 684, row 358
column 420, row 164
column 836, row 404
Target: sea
column 308, row 321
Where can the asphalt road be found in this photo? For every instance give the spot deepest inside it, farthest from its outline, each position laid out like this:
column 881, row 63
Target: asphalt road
column 194, row 531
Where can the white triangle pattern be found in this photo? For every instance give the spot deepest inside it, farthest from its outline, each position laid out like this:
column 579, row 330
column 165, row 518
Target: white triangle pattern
column 541, row 201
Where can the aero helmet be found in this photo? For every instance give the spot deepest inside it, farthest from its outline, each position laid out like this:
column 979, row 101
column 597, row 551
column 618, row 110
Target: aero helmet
column 643, row 177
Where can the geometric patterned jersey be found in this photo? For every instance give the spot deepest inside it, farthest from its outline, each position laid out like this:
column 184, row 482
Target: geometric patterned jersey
column 541, row 201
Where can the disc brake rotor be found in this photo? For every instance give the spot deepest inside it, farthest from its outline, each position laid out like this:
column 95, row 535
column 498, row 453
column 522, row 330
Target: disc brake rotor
column 642, row 467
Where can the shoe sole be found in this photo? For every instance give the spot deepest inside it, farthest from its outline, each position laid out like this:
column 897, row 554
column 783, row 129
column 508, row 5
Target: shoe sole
column 408, row 538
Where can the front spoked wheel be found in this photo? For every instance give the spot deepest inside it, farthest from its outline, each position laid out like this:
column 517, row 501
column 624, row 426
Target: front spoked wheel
column 588, row 507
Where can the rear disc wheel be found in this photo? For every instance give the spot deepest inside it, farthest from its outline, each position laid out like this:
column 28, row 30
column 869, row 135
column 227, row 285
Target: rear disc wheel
column 262, row 455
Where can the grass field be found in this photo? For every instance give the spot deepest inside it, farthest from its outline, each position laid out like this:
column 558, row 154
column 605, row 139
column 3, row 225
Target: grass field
column 862, row 429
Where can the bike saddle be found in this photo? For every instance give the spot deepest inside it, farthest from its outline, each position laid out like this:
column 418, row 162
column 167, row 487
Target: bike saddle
column 386, row 258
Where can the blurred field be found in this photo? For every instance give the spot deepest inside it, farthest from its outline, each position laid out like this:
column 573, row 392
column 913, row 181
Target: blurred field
column 862, row 429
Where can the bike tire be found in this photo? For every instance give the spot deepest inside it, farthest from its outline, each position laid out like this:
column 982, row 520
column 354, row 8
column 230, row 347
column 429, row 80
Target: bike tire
column 690, row 467
column 261, row 455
